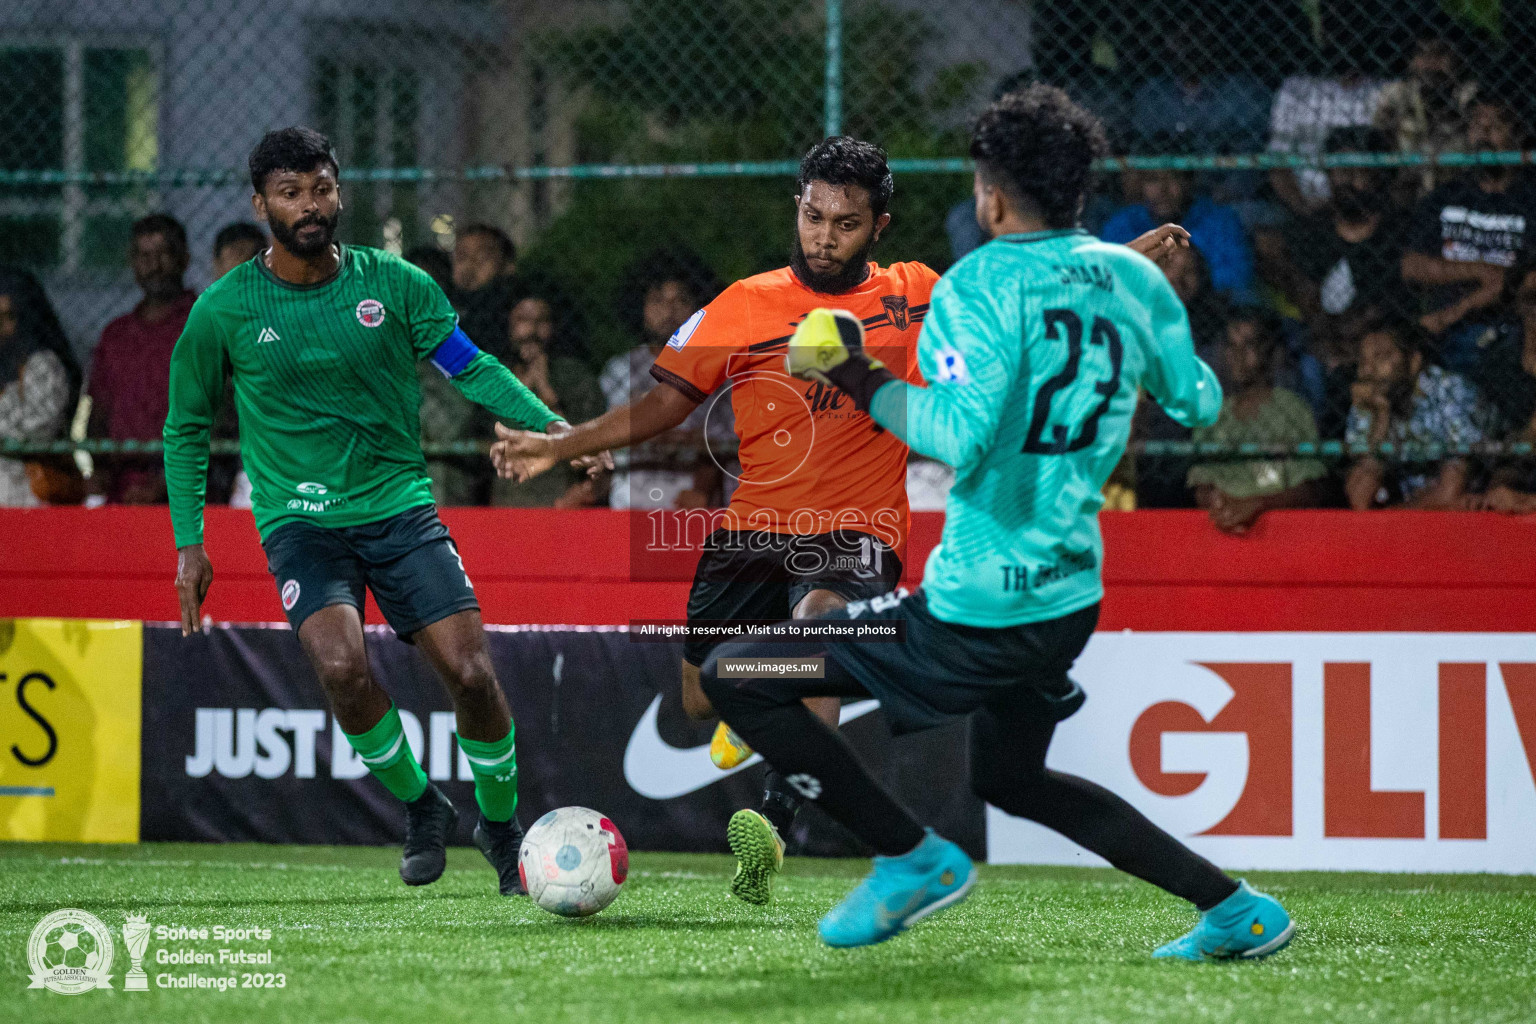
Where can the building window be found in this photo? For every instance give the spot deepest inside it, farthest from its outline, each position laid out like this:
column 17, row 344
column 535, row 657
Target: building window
column 372, row 115
column 86, row 108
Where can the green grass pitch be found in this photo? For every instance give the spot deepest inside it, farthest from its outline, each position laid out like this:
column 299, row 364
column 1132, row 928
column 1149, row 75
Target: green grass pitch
column 1031, row 944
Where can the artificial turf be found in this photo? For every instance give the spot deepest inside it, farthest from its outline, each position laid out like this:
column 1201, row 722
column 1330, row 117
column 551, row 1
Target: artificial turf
column 1031, row 944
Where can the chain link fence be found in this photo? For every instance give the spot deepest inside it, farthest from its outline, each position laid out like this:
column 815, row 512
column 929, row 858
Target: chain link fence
column 1311, row 145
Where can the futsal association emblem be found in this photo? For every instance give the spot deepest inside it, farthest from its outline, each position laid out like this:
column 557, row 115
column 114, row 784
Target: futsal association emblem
column 290, row 595
column 70, row 952
column 370, row 312
column 896, row 309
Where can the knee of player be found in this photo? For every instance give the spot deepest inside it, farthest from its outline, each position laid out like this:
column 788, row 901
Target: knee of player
column 472, row 676
column 342, row 669
column 818, row 603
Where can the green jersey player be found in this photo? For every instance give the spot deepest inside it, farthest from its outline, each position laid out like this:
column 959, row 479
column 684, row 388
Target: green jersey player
column 1035, row 349
column 322, row 341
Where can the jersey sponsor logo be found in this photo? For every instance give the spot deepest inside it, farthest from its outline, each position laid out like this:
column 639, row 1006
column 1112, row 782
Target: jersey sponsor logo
column 951, row 367
column 680, row 338
column 311, row 488
column 370, row 312
column 657, row 770
column 896, row 309
column 305, row 505
column 266, row 336
column 290, row 595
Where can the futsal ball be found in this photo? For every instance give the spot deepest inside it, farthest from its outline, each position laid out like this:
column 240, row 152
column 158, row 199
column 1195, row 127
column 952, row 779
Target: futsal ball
column 573, row 862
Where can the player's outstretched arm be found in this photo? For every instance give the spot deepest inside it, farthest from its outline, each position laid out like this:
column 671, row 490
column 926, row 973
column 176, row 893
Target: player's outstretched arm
column 661, row 409
column 1179, row 380
column 483, row 379
column 197, row 387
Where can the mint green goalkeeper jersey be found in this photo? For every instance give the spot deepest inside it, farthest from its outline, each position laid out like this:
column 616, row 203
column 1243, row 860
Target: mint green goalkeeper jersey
column 1034, row 349
column 326, row 390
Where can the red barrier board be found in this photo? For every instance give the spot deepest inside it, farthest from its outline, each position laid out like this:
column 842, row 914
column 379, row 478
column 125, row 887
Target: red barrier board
column 1169, row 570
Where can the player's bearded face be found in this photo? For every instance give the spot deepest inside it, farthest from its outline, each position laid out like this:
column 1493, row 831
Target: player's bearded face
column 835, row 233
column 309, row 234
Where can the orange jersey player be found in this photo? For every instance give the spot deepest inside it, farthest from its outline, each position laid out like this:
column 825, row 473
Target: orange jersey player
column 820, row 516
column 811, row 463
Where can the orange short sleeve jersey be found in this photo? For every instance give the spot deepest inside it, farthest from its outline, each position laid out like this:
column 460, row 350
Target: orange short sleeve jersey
column 810, row 462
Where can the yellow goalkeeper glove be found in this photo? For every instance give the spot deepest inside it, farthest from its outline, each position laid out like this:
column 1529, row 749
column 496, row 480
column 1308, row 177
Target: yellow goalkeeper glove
column 828, row 346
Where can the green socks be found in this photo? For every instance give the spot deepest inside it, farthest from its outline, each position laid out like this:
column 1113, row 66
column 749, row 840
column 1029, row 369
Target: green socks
column 494, row 766
column 388, row 756
column 386, row 753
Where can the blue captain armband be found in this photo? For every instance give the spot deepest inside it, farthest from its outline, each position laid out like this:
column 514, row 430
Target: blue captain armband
column 455, row 353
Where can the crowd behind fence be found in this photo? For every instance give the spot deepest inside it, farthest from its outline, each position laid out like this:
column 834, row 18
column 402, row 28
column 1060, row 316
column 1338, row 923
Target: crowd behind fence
column 579, row 176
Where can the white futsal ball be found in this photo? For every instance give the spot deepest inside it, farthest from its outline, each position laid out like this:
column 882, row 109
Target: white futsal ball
column 573, row 862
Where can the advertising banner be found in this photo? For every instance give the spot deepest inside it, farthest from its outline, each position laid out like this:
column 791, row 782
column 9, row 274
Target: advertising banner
column 69, row 730
column 240, row 745
column 1339, row 751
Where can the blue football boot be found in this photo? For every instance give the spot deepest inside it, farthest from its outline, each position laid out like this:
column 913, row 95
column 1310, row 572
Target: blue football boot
column 899, row 892
column 1245, row 926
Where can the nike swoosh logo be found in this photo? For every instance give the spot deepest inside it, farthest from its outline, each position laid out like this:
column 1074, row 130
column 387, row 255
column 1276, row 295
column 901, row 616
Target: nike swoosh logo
column 657, row 770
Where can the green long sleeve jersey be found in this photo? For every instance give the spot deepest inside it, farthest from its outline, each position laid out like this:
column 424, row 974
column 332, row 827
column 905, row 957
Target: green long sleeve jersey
column 1034, row 349
column 326, row 390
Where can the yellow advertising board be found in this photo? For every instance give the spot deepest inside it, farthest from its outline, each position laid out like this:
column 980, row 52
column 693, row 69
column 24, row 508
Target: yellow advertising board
column 69, row 730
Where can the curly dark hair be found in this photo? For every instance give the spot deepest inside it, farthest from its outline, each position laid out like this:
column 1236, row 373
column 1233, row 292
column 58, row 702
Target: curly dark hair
column 840, row 160
column 1039, row 147
column 290, row 149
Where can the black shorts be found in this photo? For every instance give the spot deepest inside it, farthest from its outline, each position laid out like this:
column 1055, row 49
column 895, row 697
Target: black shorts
column 754, row 574
column 945, row 671
column 408, row 560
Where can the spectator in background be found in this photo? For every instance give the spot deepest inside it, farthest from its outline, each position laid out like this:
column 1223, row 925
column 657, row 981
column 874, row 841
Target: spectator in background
column 484, row 289
column 1506, row 375
column 1342, row 269
column 131, row 367
column 1256, row 412
column 562, row 383
column 234, row 244
column 1400, row 398
column 1308, row 109
column 437, row 264
column 38, row 380
column 1193, row 104
column 675, row 470
column 1168, row 196
column 1428, row 111
column 1467, row 234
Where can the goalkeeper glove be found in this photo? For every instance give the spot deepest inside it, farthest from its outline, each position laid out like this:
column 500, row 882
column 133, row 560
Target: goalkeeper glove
column 828, row 346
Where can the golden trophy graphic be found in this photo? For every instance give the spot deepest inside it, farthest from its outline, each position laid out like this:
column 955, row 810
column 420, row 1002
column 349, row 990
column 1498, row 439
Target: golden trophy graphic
column 136, row 936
